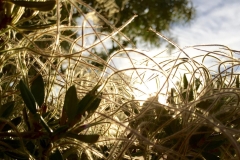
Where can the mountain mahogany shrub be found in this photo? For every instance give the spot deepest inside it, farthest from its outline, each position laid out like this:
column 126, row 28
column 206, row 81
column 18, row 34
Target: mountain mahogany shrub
column 50, row 84
column 33, row 134
column 35, row 122
column 199, row 120
column 196, row 120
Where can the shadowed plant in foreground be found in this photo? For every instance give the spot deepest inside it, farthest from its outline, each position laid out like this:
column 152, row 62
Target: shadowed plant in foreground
column 34, row 134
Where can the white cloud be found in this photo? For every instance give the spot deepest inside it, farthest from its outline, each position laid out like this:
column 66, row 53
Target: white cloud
column 216, row 22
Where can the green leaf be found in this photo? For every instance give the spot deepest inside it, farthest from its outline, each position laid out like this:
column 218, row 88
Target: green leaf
column 190, row 94
column 185, row 82
column 85, row 126
column 56, row 155
column 59, row 132
column 237, row 81
column 214, row 144
column 61, row 129
column 173, row 127
column 92, row 138
column 89, row 103
column 31, row 147
column 45, row 142
column 205, row 104
column 84, row 104
column 94, row 105
column 45, row 125
column 70, row 106
column 197, row 83
column 36, row 5
column 16, row 121
column 35, row 27
column 6, row 109
column 37, row 90
column 170, row 98
column 184, row 95
column 26, row 119
column 28, row 98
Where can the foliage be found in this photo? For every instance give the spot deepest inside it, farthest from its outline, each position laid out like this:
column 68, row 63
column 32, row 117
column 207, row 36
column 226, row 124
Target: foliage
column 157, row 14
column 200, row 137
column 12, row 11
column 41, row 136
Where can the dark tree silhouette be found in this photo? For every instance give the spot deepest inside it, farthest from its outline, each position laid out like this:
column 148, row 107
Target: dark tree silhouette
column 157, row 14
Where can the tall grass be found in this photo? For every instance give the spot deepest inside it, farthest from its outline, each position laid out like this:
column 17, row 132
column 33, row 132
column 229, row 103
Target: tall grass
column 192, row 114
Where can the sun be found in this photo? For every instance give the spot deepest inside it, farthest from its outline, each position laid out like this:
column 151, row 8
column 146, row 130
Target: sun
column 149, row 83
column 146, row 79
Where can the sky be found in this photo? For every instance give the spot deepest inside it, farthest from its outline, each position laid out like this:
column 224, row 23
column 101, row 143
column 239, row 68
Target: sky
column 216, row 22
